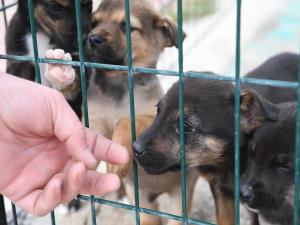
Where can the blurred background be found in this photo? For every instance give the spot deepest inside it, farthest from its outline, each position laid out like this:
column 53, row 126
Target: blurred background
column 268, row 27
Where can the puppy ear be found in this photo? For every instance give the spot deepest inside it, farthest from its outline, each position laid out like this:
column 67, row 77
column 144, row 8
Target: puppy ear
column 169, row 30
column 255, row 110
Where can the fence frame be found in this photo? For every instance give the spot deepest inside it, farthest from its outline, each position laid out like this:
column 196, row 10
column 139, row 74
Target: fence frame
column 238, row 80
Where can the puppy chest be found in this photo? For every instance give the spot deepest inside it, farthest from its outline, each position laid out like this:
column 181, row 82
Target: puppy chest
column 43, row 43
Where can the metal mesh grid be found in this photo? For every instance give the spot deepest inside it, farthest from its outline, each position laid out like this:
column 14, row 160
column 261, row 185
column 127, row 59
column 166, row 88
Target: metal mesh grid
column 181, row 74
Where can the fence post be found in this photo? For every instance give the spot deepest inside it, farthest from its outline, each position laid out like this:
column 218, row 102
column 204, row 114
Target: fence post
column 2, row 212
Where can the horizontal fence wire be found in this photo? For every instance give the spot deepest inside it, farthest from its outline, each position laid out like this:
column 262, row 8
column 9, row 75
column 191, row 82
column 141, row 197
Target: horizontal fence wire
column 143, row 210
column 229, row 78
column 5, row 7
column 4, row 13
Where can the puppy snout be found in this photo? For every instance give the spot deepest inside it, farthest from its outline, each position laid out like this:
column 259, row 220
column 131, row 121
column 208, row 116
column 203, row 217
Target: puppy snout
column 138, row 148
column 96, row 40
column 247, row 193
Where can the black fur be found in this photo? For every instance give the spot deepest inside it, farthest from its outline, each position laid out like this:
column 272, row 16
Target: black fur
column 270, row 170
column 64, row 36
column 209, row 112
column 280, row 67
column 266, row 186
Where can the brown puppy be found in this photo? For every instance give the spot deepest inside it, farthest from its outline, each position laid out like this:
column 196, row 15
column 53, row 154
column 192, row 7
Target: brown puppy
column 108, row 90
column 108, row 93
column 150, row 186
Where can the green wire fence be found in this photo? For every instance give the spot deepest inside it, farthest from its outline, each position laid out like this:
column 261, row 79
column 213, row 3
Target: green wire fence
column 82, row 64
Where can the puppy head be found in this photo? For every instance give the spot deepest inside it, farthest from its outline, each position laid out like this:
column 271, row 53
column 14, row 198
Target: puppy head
column 151, row 33
column 267, row 184
column 209, row 126
column 57, row 19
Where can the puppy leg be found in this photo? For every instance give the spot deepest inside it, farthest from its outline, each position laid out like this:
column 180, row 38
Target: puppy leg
column 145, row 219
column 176, row 197
column 224, row 207
column 122, row 135
column 61, row 77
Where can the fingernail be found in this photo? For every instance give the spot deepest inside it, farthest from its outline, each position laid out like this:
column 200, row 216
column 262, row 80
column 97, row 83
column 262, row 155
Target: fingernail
column 90, row 157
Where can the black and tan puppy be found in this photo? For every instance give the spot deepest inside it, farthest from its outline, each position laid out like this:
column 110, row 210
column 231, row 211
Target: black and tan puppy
column 209, row 133
column 272, row 151
column 209, row 136
column 56, row 29
column 267, row 187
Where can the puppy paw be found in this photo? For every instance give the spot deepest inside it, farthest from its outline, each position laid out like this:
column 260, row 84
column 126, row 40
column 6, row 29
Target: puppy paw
column 121, row 171
column 60, row 76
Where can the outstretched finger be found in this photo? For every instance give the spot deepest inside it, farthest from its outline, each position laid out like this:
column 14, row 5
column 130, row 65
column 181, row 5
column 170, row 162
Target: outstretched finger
column 99, row 184
column 106, row 150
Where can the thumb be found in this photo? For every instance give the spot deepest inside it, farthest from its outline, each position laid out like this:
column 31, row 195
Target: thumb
column 69, row 129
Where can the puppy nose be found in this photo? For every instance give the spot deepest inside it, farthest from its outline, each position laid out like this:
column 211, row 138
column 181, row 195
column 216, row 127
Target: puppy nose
column 138, row 148
column 96, row 40
column 247, row 193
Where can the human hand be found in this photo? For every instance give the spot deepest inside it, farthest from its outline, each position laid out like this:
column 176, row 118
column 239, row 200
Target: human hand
column 47, row 157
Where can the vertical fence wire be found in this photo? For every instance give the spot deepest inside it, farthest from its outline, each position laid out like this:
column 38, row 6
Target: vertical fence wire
column 36, row 56
column 83, row 88
column 14, row 212
column 3, row 220
column 181, row 111
column 132, row 110
column 34, row 41
column 52, row 218
column 297, row 155
column 4, row 13
column 237, row 115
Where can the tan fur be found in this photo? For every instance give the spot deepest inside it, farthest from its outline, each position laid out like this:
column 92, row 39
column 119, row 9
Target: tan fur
column 225, row 209
column 147, row 44
column 64, row 2
column 150, row 184
column 211, row 155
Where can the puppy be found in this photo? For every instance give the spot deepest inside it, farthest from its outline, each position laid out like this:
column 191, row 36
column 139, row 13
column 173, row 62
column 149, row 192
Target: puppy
column 267, row 186
column 271, row 154
column 151, row 34
column 108, row 90
column 151, row 186
column 56, row 28
column 209, row 134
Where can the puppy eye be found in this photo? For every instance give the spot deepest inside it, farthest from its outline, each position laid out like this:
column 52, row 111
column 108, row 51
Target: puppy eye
column 123, row 27
column 282, row 164
column 187, row 129
column 55, row 9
